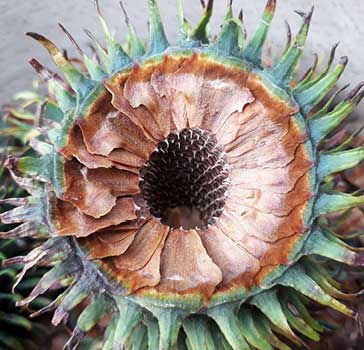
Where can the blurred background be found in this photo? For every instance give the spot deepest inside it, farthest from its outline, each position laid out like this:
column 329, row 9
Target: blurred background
column 333, row 21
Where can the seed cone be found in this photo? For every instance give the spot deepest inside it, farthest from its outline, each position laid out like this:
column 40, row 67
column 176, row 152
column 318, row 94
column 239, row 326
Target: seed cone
column 186, row 189
column 187, row 170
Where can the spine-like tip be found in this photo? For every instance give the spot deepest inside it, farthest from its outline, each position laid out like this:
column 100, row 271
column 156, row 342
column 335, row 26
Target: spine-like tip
column 49, row 46
column 35, row 36
column 359, row 97
column 300, row 13
column 127, row 20
column 307, row 16
column 75, row 339
column 44, row 73
column 71, row 38
column 335, row 46
column 98, row 8
column 344, row 60
column 333, row 50
column 355, row 90
column 343, row 88
column 315, row 61
column 271, row 6
column 288, row 36
column 90, row 35
column 241, row 16
column 210, row 5
column 13, row 261
column 288, row 31
column 47, row 75
column 353, row 93
column 42, row 311
column 312, row 69
column 332, row 54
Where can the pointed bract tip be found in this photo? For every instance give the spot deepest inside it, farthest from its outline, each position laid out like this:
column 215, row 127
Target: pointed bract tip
column 98, row 8
column 288, row 31
column 271, row 5
column 71, row 38
column 74, row 341
column 312, row 69
column 288, row 27
column 35, row 36
column 241, row 16
column 344, row 60
column 230, row 3
column 210, row 5
column 334, row 47
column 127, row 20
column 13, row 261
column 300, row 13
column 40, row 69
column 49, row 46
column 354, row 92
column 315, row 60
column 358, row 98
column 307, row 16
column 342, row 89
column 332, row 53
column 90, row 35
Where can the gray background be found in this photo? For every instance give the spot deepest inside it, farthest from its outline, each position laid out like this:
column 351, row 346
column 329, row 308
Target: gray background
column 334, row 20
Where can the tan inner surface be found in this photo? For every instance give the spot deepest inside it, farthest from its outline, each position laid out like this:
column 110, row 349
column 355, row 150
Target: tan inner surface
column 269, row 184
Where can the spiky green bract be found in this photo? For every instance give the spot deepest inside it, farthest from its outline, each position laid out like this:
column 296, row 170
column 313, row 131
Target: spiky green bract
column 17, row 332
column 240, row 319
column 18, row 129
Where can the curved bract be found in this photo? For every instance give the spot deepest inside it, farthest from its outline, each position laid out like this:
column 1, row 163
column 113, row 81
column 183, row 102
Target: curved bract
column 185, row 189
column 17, row 332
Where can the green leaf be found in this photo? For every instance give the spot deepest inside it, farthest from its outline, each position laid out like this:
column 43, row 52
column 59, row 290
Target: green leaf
column 130, row 315
column 201, row 32
column 329, row 163
column 282, row 72
column 158, row 41
column 310, row 97
column 198, row 334
column 329, row 203
column 296, row 278
column 226, row 317
column 253, row 51
column 267, row 302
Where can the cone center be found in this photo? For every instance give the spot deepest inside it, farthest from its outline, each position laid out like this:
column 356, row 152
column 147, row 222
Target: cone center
column 185, row 180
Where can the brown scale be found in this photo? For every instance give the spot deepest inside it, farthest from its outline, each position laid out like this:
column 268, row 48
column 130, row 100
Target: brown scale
column 187, row 175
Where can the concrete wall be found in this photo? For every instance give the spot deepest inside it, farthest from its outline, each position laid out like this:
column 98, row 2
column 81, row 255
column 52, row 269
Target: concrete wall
column 334, row 20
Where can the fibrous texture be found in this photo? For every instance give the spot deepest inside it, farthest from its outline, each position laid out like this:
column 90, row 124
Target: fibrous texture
column 185, row 188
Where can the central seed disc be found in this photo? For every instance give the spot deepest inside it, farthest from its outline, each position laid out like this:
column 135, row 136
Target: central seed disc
column 185, row 180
